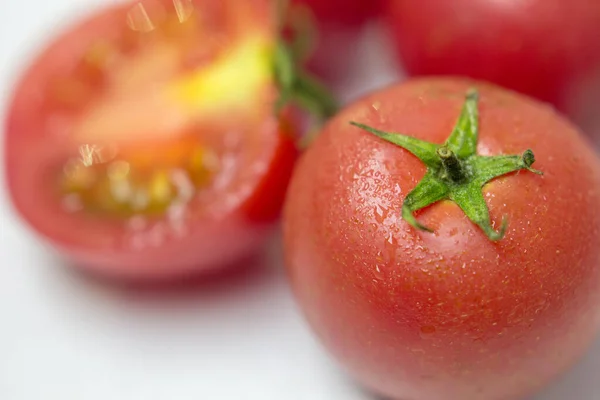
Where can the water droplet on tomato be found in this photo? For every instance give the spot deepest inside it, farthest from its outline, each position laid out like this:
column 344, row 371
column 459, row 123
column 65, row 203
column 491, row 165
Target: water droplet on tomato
column 390, row 238
column 380, row 213
column 378, row 274
column 427, row 330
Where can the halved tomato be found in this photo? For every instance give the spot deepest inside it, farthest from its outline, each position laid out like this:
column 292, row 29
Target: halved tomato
column 143, row 143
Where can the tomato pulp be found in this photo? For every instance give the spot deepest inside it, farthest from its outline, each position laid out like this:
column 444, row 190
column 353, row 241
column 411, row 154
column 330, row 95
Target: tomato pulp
column 546, row 49
column 448, row 314
column 142, row 142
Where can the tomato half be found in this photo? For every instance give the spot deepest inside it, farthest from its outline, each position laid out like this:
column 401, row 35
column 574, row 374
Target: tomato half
column 448, row 314
column 546, row 49
column 142, row 142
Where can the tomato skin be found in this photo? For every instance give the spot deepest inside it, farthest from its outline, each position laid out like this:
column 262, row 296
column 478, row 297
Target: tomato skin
column 546, row 49
column 449, row 315
column 235, row 222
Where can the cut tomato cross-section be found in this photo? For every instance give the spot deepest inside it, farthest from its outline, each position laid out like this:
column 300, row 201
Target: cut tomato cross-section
column 143, row 142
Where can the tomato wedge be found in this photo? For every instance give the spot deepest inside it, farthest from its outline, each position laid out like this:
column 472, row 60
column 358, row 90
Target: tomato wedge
column 143, row 143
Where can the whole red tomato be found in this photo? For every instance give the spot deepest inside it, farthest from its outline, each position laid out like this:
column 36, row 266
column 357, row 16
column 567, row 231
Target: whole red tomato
column 143, row 142
column 546, row 49
column 483, row 306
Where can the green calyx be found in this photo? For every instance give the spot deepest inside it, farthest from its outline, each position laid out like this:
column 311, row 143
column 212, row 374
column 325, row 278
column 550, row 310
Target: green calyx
column 296, row 85
column 455, row 171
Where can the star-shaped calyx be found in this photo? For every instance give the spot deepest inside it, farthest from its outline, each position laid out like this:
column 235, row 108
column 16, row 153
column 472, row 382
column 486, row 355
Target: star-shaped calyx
column 455, row 171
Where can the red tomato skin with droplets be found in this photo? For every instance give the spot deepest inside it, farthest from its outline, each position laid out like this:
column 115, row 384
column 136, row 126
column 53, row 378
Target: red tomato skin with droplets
column 448, row 315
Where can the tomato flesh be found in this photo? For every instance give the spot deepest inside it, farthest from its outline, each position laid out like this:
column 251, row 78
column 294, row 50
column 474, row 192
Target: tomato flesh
column 448, row 315
column 546, row 49
column 139, row 152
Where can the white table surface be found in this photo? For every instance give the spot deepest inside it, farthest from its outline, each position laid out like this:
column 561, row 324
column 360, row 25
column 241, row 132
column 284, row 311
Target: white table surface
column 241, row 338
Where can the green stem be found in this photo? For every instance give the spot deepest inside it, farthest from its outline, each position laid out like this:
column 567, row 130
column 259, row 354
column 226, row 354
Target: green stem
column 315, row 96
column 452, row 166
column 455, row 171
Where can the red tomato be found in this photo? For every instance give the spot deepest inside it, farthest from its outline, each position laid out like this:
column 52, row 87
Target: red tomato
column 142, row 142
column 448, row 315
column 546, row 49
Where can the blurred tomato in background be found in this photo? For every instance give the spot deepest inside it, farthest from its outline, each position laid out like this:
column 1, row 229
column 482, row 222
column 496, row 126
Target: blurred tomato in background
column 548, row 49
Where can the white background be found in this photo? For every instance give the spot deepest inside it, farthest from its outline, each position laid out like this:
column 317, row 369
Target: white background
column 66, row 338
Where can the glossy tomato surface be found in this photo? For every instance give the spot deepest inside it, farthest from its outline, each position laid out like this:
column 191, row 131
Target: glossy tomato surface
column 448, row 315
column 546, row 49
column 142, row 141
